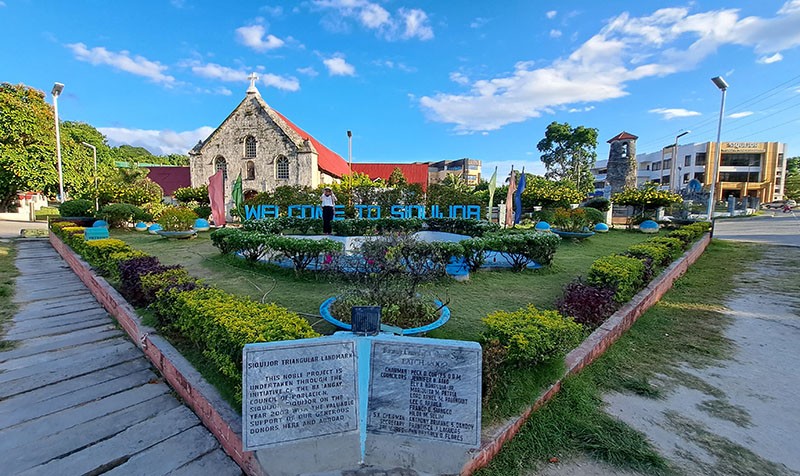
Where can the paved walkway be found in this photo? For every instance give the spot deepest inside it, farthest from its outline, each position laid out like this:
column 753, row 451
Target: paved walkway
column 77, row 397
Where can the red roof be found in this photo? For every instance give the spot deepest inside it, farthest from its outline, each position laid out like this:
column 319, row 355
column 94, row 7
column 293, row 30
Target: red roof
column 623, row 136
column 328, row 160
column 414, row 173
column 170, row 178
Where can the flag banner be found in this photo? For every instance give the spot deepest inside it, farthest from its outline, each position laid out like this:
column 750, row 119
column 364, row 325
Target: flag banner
column 236, row 193
column 492, row 187
column 518, row 198
column 216, row 195
column 512, row 187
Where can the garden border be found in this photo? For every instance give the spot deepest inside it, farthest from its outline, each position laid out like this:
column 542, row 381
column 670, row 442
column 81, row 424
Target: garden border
column 218, row 416
column 215, row 413
column 590, row 349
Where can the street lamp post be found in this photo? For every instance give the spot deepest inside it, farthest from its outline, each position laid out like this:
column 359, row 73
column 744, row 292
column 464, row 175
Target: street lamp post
column 675, row 162
column 96, row 194
column 350, row 150
column 720, row 83
column 57, row 88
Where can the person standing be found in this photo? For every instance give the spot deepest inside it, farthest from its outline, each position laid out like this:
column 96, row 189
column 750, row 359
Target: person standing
column 328, row 204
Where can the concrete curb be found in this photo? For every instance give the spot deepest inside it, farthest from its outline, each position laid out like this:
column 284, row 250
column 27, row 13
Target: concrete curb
column 215, row 413
column 590, row 349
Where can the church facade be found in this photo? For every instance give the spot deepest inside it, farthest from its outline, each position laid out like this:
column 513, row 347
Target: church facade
column 266, row 148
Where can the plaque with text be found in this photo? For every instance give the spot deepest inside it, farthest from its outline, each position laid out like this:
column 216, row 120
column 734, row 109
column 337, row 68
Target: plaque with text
column 298, row 390
column 426, row 391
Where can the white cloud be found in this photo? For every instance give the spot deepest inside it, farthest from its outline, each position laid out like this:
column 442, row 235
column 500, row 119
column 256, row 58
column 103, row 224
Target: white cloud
column 737, row 115
column 396, row 65
column 555, row 33
column 551, row 14
column 2, row 4
column 157, row 142
column 404, row 24
column 337, row 66
column 216, row 71
column 580, row 109
column 626, row 49
column 308, row 71
column 123, row 61
column 459, row 78
column 672, row 113
column 276, row 11
column 770, row 59
column 254, row 37
column 478, row 22
column 416, row 24
column 283, row 83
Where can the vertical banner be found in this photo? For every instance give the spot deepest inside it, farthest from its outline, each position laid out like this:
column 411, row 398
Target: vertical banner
column 216, row 195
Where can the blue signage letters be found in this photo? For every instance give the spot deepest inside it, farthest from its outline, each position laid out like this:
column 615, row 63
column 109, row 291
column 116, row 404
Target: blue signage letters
column 368, row 212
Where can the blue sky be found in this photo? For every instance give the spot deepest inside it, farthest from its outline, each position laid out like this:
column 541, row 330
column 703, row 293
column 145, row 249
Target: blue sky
column 416, row 80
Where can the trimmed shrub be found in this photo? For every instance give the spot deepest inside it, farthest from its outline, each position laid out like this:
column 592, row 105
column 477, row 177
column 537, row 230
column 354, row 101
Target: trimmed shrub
column 686, row 236
column 96, row 252
column 532, row 336
column 220, row 324
column 622, row 273
column 111, row 265
column 165, row 278
column 186, row 195
column 673, row 245
column 177, row 219
column 202, row 211
column 587, row 304
column 77, row 208
column 119, row 215
column 593, row 215
column 474, row 252
column 302, row 252
column 571, row 220
column 520, row 249
column 45, row 212
column 221, row 238
column 659, row 254
column 462, row 226
column 250, row 244
column 130, row 277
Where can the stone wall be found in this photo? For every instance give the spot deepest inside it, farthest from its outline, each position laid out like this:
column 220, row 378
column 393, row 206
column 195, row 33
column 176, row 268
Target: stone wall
column 228, row 141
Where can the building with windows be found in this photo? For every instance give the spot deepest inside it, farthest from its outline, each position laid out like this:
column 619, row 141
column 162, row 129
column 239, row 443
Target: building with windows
column 752, row 169
column 468, row 169
column 266, row 148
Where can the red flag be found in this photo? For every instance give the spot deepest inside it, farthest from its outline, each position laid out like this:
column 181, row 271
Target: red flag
column 216, row 194
column 512, row 187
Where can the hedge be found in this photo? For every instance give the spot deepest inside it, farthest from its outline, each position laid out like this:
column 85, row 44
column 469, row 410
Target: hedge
column 520, row 249
column 531, row 336
column 622, row 273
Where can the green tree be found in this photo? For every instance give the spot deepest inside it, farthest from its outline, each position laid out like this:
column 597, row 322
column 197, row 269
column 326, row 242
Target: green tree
column 569, row 153
column 27, row 143
column 791, row 187
column 396, row 178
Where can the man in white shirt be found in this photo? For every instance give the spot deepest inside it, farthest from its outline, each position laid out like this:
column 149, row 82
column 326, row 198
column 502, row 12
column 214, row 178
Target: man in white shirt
column 328, row 204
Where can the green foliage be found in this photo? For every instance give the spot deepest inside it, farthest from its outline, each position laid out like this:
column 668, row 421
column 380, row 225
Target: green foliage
column 164, row 279
column 187, row 195
column 220, row 238
column 77, row 208
column 461, row 226
column 541, row 192
column 118, row 215
column 131, row 185
column 569, row 153
column 454, row 193
column 97, row 252
column 221, row 324
column 250, row 244
column 572, row 220
column 177, row 219
column 397, row 309
column 648, row 197
column 474, row 252
column 531, row 336
column 202, row 211
column 302, row 252
column 111, row 266
column 674, row 245
column 520, row 249
column 622, row 273
column 44, row 212
column 593, row 215
column 396, row 178
column 601, row 203
column 659, row 254
column 286, row 195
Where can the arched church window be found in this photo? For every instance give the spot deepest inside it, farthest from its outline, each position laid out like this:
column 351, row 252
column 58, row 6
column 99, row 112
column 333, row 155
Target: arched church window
column 221, row 164
column 250, row 173
column 249, row 147
column 282, row 168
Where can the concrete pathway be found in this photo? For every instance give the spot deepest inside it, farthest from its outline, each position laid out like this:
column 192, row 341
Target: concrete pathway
column 77, row 397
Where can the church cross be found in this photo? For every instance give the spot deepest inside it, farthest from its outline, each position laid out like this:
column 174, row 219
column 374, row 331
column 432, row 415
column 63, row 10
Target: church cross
column 252, row 79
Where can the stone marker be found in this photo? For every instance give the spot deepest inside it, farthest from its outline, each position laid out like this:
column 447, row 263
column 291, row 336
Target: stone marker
column 424, row 408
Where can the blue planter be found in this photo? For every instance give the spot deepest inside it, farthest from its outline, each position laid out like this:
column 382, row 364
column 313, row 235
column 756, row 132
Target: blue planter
column 201, row 224
column 648, row 226
column 100, row 224
column 177, row 234
column 140, row 226
column 444, row 316
column 601, row 228
column 542, row 226
column 154, row 229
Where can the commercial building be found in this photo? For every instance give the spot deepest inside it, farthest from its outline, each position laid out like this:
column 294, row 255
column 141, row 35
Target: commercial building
column 468, row 169
column 752, row 169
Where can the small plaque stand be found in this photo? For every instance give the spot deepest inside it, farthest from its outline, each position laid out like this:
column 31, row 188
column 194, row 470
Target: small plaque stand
column 366, row 320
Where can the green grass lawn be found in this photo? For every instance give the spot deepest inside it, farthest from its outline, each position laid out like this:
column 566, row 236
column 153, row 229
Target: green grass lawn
column 469, row 302
column 685, row 328
column 8, row 272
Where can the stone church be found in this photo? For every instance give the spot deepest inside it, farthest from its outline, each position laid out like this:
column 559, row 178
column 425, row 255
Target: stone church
column 266, row 148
